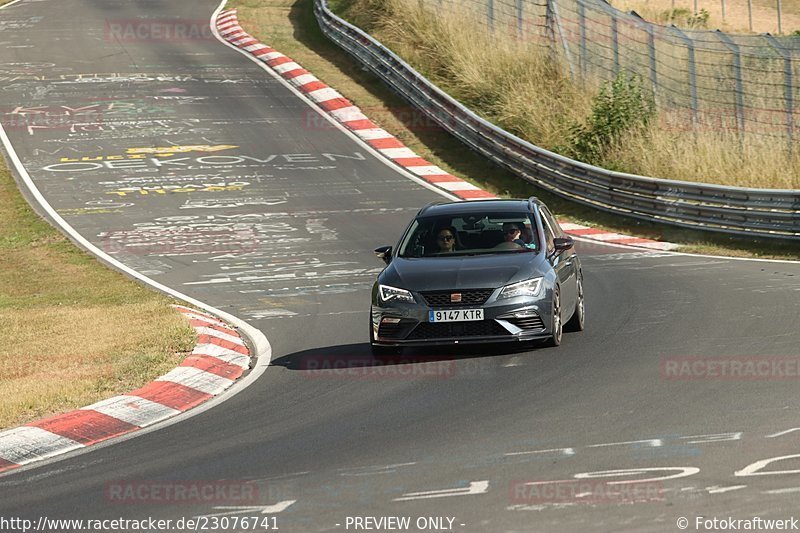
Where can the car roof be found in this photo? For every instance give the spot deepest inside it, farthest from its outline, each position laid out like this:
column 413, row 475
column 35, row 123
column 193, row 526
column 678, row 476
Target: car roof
column 476, row 206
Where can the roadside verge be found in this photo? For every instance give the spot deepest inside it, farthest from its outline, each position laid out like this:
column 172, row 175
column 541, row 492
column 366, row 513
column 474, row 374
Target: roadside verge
column 219, row 358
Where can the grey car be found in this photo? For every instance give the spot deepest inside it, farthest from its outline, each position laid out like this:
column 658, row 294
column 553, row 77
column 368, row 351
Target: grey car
column 480, row 271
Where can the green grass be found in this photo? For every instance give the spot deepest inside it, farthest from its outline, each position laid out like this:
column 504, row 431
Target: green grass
column 75, row 332
column 290, row 27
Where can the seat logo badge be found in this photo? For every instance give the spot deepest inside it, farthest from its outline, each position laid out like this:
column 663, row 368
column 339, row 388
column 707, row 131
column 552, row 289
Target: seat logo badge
column 455, row 297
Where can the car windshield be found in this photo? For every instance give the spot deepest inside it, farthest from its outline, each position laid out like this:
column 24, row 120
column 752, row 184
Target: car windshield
column 470, row 234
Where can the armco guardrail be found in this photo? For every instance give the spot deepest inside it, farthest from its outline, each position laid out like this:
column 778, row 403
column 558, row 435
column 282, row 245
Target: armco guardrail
column 752, row 212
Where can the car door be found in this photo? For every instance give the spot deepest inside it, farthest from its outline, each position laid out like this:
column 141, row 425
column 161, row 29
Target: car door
column 563, row 263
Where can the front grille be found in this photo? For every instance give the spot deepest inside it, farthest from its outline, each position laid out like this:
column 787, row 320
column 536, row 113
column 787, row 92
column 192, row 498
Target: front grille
column 468, row 297
column 529, row 322
column 437, row 330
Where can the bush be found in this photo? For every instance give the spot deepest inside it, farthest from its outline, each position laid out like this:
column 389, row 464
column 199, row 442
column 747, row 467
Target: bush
column 674, row 16
column 699, row 20
column 620, row 107
column 684, row 18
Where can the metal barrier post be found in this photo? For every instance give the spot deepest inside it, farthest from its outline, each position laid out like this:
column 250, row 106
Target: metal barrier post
column 651, row 49
column 582, row 24
column 490, row 15
column 788, row 84
column 520, row 32
column 615, row 42
column 692, row 68
column 737, row 69
column 552, row 11
column 651, row 45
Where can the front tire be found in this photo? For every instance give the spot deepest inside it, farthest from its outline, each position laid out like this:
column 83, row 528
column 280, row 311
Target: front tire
column 558, row 329
column 578, row 320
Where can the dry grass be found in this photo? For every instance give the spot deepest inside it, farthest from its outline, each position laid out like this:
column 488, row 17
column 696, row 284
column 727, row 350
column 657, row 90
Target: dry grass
column 507, row 81
column 709, row 157
column 515, row 86
column 765, row 13
column 74, row 331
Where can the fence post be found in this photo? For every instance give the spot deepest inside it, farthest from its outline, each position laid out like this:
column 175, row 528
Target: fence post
column 692, row 68
column 520, row 29
column 651, row 48
column 554, row 21
column 651, row 45
column 780, row 12
column 788, row 84
column 582, row 24
column 490, row 15
column 615, row 41
column 737, row 69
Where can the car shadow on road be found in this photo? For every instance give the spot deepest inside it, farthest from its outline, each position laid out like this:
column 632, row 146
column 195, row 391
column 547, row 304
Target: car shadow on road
column 345, row 356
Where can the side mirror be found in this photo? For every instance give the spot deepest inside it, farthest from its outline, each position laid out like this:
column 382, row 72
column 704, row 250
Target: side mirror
column 562, row 244
column 385, row 253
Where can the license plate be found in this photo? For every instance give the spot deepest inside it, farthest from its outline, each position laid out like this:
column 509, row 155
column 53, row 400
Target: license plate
column 455, row 315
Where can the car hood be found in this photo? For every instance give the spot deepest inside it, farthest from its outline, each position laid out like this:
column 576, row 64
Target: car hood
column 463, row 272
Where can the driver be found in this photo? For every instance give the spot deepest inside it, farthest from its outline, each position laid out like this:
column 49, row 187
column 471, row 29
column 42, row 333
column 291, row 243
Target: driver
column 512, row 233
column 446, row 240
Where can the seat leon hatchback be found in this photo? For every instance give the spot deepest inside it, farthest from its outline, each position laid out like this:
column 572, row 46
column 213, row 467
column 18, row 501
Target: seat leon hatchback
column 481, row 271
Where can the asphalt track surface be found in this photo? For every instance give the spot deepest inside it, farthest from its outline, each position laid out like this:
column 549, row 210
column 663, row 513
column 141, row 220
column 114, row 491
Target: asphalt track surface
column 286, row 245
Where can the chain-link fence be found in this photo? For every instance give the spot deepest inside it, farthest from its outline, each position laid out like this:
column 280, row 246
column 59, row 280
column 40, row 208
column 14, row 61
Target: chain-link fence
column 701, row 80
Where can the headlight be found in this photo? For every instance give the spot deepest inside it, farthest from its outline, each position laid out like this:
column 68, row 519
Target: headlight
column 529, row 287
column 389, row 294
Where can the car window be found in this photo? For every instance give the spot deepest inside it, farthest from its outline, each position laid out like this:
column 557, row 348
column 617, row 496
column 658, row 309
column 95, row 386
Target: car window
column 549, row 234
column 551, row 220
column 474, row 234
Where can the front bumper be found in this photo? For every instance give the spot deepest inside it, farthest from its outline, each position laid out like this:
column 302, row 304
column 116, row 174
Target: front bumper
column 513, row 320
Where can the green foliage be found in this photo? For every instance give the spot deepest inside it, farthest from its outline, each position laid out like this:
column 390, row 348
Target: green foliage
column 699, row 20
column 620, row 107
column 677, row 15
column 684, row 18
